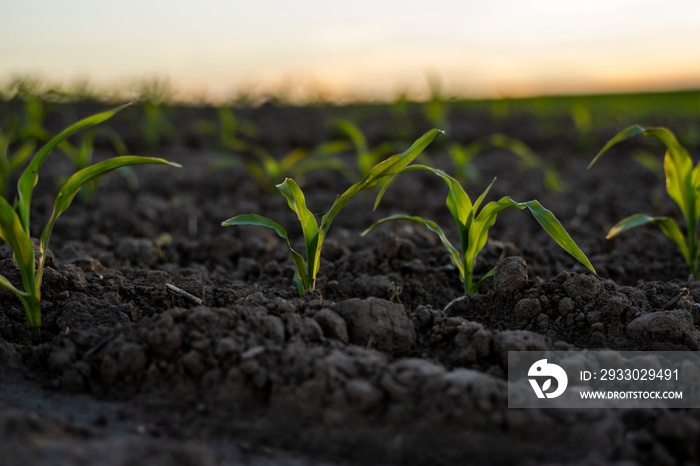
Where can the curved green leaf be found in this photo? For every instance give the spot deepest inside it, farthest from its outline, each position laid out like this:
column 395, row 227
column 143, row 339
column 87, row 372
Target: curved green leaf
column 304, row 283
column 432, row 226
column 555, row 229
column 293, row 158
column 21, row 155
column 30, row 175
column 619, row 137
column 312, row 236
column 478, row 234
column 68, row 191
column 379, row 173
column 5, row 283
column 458, row 201
column 388, row 183
column 475, row 287
column 682, row 184
column 12, row 233
column 696, row 178
column 355, row 134
column 517, row 147
column 668, row 226
column 630, row 222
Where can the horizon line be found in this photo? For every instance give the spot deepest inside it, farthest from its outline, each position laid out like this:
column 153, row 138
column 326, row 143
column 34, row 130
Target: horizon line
column 167, row 89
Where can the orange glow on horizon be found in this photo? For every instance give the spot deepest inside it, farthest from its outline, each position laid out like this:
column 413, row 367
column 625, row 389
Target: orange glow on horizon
column 310, row 50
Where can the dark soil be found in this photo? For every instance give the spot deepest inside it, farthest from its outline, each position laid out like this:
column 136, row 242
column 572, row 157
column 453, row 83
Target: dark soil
column 369, row 368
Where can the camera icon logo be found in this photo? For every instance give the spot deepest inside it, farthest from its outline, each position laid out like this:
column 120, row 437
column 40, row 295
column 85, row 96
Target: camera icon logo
column 542, row 373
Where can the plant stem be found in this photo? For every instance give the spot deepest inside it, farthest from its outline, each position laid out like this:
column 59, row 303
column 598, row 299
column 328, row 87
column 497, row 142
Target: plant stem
column 32, row 311
column 36, row 335
column 468, row 278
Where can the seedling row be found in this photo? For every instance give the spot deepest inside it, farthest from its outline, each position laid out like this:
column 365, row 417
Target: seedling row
column 373, row 168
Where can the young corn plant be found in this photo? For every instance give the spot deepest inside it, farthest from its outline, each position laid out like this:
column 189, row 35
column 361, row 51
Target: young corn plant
column 315, row 233
column 156, row 126
column 30, row 124
column 268, row 171
column 682, row 185
column 15, row 221
column 229, row 130
column 473, row 225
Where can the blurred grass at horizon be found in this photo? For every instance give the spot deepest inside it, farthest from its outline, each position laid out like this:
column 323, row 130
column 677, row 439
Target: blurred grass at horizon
column 159, row 110
column 582, row 107
column 161, row 91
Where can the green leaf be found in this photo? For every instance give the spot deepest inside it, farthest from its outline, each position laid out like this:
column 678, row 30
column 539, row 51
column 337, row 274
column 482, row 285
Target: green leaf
column 696, row 178
column 379, row 173
column 679, row 174
column 668, row 226
column 682, row 183
column 12, row 233
column 396, row 162
column 483, row 195
column 619, row 137
column 21, row 156
column 293, row 158
column 312, row 236
column 5, row 283
column 458, row 201
column 555, row 229
column 30, row 175
column 517, row 147
column 478, row 234
column 432, row 226
column 355, row 134
column 257, row 220
column 68, row 191
column 475, row 287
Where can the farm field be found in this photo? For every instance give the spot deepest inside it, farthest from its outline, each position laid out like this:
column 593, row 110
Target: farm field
column 168, row 338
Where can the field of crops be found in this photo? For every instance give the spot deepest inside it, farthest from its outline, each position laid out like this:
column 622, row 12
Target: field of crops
column 207, row 312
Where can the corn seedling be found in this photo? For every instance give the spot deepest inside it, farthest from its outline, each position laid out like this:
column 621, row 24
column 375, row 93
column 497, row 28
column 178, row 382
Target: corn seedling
column 268, row 171
column 474, row 224
column 155, row 125
column 463, row 157
column 315, row 234
column 231, row 126
column 682, row 185
column 25, row 127
column 228, row 129
column 15, row 224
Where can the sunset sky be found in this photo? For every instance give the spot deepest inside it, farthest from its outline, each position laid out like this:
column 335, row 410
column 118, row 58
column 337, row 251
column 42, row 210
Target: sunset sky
column 371, row 49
